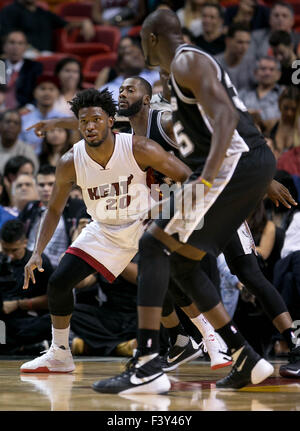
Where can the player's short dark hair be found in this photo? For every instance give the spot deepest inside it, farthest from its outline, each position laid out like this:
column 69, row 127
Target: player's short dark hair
column 92, row 97
column 280, row 37
column 46, row 170
column 12, row 231
column 284, row 4
column 15, row 163
column 217, row 6
column 144, row 83
column 237, row 26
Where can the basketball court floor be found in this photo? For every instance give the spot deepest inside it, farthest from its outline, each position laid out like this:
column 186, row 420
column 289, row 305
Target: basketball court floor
column 193, row 389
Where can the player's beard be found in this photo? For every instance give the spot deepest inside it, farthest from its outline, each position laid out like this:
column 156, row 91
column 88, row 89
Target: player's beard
column 131, row 110
column 100, row 142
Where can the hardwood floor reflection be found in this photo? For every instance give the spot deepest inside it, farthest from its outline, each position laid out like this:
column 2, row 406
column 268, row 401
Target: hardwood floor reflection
column 193, row 388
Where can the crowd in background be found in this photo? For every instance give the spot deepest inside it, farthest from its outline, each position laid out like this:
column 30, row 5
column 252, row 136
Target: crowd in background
column 256, row 42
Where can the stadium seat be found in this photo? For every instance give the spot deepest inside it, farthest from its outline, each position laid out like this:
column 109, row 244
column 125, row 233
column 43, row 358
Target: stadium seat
column 95, row 63
column 73, row 9
column 106, row 40
column 49, row 61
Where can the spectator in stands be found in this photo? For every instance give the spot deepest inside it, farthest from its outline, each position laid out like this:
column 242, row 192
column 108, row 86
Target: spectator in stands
column 281, row 18
column 122, row 13
column 55, row 143
column 281, row 43
column 287, row 269
column 107, row 74
column 69, row 73
column 190, row 16
column 230, row 286
column 46, row 93
column 23, row 191
column 4, row 214
column 235, row 60
column 290, row 161
column 25, row 312
column 31, row 216
column 263, row 99
column 14, row 167
column 212, row 39
column 38, row 24
column 21, row 73
column 285, row 131
column 249, row 12
column 10, row 144
column 268, row 239
column 130, row 62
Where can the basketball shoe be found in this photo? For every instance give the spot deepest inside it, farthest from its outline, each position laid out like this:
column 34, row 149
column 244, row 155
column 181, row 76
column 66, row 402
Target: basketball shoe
column 178, row 355
column 248, row 367
column 143, row 374
column 217, row 351
column 54, row 360
column 292, row 369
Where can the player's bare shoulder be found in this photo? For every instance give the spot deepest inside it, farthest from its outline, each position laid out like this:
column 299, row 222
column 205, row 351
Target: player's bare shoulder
column 65, row 169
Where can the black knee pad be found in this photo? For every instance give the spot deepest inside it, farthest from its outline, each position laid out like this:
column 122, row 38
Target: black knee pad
column 193, row 281
column 168, row 306
column 180, row 298
column 70, row 271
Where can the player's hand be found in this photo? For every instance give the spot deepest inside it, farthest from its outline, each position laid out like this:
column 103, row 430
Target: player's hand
column 42, row 127
column 34, row 262
column 279, row 193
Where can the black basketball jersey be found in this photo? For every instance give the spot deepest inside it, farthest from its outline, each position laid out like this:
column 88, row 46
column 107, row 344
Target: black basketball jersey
column 192, row 126
column 157, row 133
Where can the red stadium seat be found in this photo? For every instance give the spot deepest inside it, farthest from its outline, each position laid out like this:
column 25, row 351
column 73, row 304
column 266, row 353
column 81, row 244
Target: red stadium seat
column 75, row 10
column 49, row 61
column 106, row 40
column 95, row 63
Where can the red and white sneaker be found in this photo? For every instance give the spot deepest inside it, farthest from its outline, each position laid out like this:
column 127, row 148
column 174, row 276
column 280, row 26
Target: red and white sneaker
column 55, row 360
column 217, row 350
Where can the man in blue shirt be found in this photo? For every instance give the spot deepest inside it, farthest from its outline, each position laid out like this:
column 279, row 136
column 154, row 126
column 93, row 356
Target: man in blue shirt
column 45, row 94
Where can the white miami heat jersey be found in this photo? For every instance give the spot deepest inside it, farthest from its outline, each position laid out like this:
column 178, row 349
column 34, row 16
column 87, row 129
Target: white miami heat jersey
column 117, row 194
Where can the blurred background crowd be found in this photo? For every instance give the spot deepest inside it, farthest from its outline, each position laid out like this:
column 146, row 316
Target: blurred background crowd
column 52, row 49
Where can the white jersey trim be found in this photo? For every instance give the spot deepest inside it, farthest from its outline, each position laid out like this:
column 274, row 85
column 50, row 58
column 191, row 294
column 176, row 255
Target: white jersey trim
column 163, row 133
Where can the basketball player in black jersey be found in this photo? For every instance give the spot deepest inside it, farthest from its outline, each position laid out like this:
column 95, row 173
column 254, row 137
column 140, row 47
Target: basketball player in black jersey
column 134, row 103
column 230, row 158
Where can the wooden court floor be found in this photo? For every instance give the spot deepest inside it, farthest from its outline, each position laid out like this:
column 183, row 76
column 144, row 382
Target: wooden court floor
column 193, row 389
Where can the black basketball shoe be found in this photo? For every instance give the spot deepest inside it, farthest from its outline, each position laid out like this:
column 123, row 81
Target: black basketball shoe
column 179, row 355
column 292, row 369
column 248, row 367
column 138, row 377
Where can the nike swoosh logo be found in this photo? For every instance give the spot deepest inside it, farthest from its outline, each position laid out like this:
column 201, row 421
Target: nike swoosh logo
column 239, row 369
column 170, row 360
column 137, row 381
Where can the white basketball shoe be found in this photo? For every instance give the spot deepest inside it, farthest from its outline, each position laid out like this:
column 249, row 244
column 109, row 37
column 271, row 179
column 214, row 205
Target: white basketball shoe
column 55, row 360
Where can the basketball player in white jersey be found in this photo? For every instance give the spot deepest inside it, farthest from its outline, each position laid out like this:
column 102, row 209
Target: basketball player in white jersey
column 111, row 170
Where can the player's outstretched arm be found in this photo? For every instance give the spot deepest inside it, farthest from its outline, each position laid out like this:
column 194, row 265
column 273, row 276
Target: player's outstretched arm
column 64, row 179
column 150, row 154
column 197, row 76
column 43, row 126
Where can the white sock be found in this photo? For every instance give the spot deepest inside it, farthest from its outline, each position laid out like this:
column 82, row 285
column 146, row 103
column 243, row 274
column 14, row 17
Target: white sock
column 203, row 325
column 60, row 337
